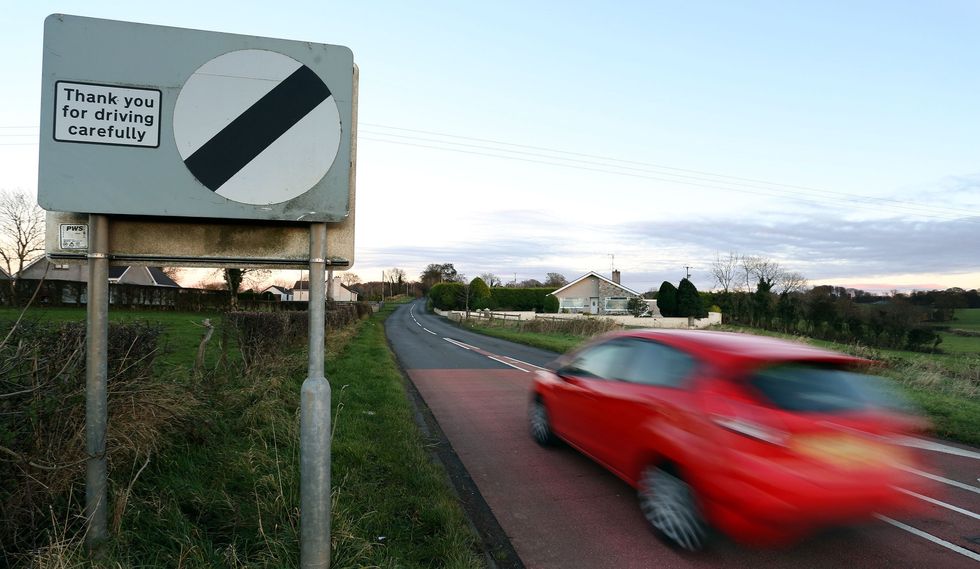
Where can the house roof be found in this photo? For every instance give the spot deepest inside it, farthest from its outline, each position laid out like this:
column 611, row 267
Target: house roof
column 3, row 274
column 280, row 289
column 117, row 272
column 301, row 285
column 598, row 276
column 160, row 278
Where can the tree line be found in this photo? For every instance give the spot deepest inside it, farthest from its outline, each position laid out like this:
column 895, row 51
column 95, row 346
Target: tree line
column 758, row 292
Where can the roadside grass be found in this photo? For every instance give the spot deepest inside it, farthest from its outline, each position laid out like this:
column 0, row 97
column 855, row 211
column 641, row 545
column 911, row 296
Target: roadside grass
column 554, row 335
column 551, row 341
column 223, row 491
column 946, row 387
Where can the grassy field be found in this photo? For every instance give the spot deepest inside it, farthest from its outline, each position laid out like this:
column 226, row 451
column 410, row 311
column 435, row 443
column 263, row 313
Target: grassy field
column 183, row 334
column 224, row 489
column 967, row 319
column 945, row 386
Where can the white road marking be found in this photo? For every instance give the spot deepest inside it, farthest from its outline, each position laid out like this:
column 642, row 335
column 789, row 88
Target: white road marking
column 507, row 364
column 429, row 331
column 938, row 503
column 460, row 344
column 937, row 447
column 952, row 546
column 525, row 363
column 941, row 479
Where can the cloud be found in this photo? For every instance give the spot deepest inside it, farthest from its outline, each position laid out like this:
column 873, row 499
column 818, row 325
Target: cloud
column 820, row 246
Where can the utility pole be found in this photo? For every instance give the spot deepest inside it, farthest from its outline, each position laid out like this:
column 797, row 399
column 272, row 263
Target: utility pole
column 688, row 269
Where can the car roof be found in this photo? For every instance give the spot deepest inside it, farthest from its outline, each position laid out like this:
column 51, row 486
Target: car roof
column 737, row 347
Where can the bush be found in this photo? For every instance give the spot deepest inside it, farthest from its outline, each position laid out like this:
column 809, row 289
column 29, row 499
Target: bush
column 551, row 304
column 689, row 301
column 264, row 335
column 448, row 296
column 479, row 294
column 521, row 298
column 667, row 299
column 42, row 420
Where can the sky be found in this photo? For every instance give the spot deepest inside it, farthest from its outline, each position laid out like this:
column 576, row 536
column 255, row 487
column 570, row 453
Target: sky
column 838, row 139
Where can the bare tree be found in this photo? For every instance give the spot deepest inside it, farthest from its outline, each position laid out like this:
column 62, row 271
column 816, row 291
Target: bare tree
column 350, row 279
column 236, row 278
column 491, row 279
column 725, row 270
column 555, row 280
column 21, row 234
column 790, row 282
column 396, row 277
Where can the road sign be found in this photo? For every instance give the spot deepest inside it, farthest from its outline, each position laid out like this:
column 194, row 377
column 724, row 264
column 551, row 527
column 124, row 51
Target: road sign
column 152, row 120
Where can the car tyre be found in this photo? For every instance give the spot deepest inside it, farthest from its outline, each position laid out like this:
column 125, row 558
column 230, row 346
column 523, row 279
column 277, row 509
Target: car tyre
column 669, row 505
column 540, row 424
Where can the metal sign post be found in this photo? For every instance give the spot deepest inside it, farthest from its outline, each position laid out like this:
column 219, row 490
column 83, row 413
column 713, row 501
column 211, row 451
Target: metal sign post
column 96, row 378
column 314, row 434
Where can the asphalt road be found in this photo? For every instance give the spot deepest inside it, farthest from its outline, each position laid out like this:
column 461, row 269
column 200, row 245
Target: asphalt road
column 561, row 510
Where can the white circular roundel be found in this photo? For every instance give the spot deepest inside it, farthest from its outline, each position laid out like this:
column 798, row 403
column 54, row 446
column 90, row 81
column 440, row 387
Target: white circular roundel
column 256, row 126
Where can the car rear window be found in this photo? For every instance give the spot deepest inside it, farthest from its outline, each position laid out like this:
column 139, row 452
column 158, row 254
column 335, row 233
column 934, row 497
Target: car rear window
column 823, row 389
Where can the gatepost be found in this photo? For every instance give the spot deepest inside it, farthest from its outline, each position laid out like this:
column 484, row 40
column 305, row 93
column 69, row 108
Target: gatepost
column 232, row 151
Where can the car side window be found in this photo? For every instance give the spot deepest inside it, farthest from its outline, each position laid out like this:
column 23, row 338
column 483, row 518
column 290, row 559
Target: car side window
column 605, row 361
column 651, row 363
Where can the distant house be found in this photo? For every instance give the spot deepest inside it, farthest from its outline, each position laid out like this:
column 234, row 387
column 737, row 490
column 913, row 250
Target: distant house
column 593, row 293
column 341, row 293
column 276, row 292
column 147, row 276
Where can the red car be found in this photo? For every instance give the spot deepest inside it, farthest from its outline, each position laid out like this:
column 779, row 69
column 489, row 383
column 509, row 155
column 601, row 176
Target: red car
column 763, row 439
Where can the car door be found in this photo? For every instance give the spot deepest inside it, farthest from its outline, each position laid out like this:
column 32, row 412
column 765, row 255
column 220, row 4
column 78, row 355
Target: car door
column 644, row 405
column 577, row 414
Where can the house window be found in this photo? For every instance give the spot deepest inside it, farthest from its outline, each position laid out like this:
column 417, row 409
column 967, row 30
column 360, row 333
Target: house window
column 573, row 303
column 60, row 267
column 616, row 304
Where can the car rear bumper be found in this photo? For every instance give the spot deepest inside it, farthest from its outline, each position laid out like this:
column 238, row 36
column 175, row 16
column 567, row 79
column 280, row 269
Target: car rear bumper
column 769, row 503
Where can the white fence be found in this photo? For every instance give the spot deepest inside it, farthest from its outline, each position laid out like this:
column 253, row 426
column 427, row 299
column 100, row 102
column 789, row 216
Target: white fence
column 631, row 321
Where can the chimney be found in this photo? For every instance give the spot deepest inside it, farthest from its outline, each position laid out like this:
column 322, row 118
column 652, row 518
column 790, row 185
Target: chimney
column 615, row 276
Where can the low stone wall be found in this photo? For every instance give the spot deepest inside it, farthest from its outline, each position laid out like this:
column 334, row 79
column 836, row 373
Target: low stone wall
column 631, row 321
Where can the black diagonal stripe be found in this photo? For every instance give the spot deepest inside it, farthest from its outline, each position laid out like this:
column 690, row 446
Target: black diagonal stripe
column 254, row 130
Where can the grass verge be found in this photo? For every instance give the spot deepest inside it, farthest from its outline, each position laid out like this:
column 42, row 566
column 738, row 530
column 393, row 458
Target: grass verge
column 223, row 491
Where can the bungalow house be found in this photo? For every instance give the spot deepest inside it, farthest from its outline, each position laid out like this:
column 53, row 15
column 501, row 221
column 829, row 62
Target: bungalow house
column 593, row 293
column 78, row 272
column 340, row 292
column 276, row 292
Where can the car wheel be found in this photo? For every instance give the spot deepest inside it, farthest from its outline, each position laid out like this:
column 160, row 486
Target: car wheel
column 540, row 423
column 668, row 503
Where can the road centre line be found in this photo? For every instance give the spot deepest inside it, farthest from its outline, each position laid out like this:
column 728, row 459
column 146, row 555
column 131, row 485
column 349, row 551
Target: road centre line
column 940, row 479
column 937, row 447
column 525, row 363
column 930, row 537
column 506, row 363
column 938, row 503
column 460, row 344
column 429, row 331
